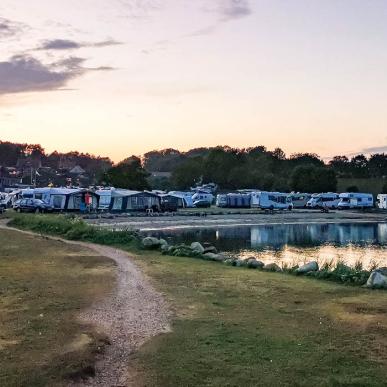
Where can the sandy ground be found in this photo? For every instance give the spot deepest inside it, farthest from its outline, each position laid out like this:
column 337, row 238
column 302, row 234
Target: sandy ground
column 179, row 221
column 133, row 313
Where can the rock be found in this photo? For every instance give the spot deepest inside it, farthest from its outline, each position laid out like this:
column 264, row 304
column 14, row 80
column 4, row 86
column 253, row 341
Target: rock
column 196, row 246
column 163, row 242
column 213, row 257
column 238, row 262
column 210, row 249
column 377, row 280
column 382, row 270
column 164, row 248
column 252, row 263
column 150, row 242
column 308, row 267
column 272, row 267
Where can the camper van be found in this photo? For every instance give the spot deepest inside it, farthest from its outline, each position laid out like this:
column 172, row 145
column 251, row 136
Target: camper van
column 271, row 200
column 323, row 200
column 299, row 200
column 202, row 199
column 382, row 201
column 355, row 200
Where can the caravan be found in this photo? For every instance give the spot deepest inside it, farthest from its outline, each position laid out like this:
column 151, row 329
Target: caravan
column 202, row 199
column 382, row 201
column 299, row 200
column 271, row 200
column 355, row 200
column 323, row 200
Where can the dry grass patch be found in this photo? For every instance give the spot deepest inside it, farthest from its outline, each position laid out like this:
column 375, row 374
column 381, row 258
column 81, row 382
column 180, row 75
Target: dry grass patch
column 44, row 284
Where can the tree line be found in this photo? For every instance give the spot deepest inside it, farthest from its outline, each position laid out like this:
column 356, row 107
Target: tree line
column 230, row 168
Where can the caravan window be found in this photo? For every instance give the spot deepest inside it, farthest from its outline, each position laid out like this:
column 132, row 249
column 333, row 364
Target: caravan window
column 39, row 196
column 117, row 204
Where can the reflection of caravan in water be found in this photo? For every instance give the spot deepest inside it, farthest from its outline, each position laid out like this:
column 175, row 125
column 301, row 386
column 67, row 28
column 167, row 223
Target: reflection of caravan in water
column 355, row 200
column 329, row 200
column 382, row 201
column 299, row 200
column 271, row 200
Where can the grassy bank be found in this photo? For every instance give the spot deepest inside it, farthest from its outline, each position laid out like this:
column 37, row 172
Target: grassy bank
column 73, row 228
column 43, row 286
column 238, row 327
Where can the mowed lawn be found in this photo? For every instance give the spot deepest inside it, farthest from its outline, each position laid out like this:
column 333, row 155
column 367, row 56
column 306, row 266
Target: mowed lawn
column 242, row 327
column 44, row 284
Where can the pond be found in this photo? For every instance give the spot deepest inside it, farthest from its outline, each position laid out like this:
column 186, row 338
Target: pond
column 293, row 243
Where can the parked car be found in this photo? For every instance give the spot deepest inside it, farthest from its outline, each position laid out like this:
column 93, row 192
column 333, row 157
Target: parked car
column 32, row 205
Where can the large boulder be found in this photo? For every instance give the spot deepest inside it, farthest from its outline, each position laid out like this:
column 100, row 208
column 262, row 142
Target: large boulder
column 150, row 243
column 272, row 267
column 308, row 267
column 214, row 257
column 196, row 246
column 377, row 280
column 252, row 263
column 210, row 249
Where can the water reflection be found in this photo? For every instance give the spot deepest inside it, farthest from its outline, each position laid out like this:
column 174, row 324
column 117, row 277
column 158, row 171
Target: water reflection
column 295, row 243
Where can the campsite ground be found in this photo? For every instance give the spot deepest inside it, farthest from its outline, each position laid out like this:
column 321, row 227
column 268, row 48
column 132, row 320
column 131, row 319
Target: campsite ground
column 230, row 326
column 215, row 217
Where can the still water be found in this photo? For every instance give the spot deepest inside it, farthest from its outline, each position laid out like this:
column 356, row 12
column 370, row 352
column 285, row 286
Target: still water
column 294, row 243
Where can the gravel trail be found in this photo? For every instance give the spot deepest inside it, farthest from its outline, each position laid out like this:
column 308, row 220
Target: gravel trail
column 133, row 313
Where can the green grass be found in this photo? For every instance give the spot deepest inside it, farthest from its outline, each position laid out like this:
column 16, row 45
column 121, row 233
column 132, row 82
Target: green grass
column 43, row 286
column 239, row 327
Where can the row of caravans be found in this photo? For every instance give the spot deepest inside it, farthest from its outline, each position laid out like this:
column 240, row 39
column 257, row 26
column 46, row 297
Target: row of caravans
column 280, row 200
column 112, row 200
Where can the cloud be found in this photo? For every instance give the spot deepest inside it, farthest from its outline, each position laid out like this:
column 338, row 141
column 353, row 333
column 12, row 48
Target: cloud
column 66, row 44
column 233, row 9
column 23, row 73
column 9, row 28
column 226, row 10
column 375, row 149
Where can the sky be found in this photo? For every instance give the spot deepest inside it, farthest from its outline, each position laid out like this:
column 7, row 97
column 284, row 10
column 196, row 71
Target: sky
column 122, row 77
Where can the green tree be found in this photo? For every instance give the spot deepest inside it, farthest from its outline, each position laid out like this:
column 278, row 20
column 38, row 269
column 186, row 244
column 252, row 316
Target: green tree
column 127, row 174
column 313, row 179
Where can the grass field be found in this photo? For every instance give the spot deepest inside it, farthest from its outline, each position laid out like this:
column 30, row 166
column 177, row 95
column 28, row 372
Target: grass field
column 43, row 286
column 240, row 327
column 231, row 326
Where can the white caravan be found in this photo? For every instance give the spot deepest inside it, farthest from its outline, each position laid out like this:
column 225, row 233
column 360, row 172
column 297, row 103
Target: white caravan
column 202, row 197
column 299, row 200
column 382, row 201
column 323, row 200
column 355, row 200
column 271, row 200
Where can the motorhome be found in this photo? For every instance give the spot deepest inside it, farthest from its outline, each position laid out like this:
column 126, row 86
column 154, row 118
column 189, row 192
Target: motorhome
column 202, row 197
column 271, row 200
column 382, row 201
column 299, row 200
column 355, row 200
column 323, row 200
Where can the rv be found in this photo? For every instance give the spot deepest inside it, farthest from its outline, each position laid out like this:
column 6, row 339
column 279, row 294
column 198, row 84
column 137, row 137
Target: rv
column 123, row 200
column 202, row 199
column 323, row 200
column 299, row 200
column 221, row 200
column 382, row 201
column 271, row 200
column 355, row 200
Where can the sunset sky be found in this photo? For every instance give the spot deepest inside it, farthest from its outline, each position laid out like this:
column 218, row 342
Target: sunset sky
column 122, row 77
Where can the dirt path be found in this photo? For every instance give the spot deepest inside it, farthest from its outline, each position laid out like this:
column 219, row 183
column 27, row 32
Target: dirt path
column 130, row 315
